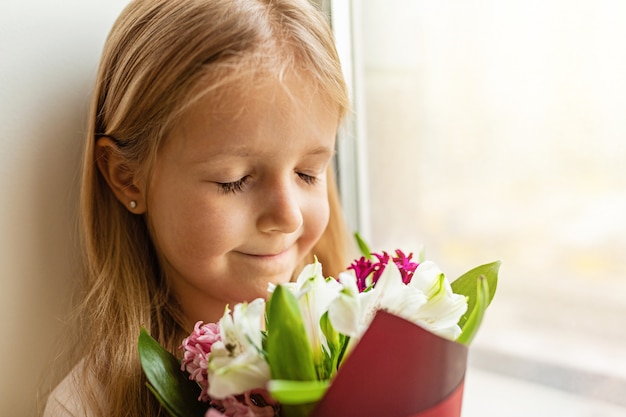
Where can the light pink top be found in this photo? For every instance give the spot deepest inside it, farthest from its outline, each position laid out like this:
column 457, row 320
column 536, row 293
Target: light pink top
column 65, row 400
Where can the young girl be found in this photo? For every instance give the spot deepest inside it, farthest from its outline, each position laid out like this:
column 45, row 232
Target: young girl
column 206, row 176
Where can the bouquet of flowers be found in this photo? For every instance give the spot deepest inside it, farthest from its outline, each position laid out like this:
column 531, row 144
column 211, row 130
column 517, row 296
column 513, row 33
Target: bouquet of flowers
column 387, row 338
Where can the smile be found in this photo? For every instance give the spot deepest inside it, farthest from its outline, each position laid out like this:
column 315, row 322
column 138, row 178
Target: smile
column 271, row 256
column 268, row 256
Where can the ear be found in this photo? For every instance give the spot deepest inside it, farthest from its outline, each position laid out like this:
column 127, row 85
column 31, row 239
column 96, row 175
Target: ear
column 120, row 175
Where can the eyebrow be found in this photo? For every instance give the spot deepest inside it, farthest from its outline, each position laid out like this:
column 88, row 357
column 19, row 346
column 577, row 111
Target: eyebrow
column 322, row 150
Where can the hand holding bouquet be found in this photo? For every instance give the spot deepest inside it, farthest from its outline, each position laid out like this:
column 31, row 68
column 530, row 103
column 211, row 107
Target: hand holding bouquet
column 388, row 337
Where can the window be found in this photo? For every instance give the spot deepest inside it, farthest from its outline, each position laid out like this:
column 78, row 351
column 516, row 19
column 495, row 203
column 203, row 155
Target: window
column 497, row 130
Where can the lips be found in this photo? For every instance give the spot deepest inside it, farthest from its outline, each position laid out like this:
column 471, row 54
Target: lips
column 273, row 256
column 267, row 252
column 270, row 254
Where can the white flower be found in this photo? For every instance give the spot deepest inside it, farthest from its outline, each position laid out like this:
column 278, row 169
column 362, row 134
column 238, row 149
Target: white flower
column 353, row 312
column 427, row 300
column 344, row 312
column 444, row 308
column 236, row 363
column 314, row 294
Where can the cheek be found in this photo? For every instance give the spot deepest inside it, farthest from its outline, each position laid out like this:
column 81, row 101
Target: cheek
column 316, row 215
column 184, row 229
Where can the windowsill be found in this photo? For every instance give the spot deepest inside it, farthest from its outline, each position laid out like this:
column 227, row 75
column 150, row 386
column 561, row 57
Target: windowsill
column 492, row 395
column 536, row 368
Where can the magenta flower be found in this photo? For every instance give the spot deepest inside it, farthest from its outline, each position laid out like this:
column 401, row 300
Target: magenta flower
column 362, row 268
column 197, row 348
column 367, row 272
column 405, row 265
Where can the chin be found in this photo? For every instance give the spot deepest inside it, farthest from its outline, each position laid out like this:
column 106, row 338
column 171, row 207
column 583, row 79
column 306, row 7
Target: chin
column 263, row 292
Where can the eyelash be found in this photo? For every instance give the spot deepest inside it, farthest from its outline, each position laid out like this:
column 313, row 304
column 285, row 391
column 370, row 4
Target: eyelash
column 237, row 186
column 308, row 179
column 232, row 187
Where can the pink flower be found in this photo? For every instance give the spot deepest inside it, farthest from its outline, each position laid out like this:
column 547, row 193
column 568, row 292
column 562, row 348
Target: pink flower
column 254, row 403
column 197, row 348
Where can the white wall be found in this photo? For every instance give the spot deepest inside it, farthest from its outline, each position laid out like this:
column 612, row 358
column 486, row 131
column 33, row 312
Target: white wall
column 48, row 58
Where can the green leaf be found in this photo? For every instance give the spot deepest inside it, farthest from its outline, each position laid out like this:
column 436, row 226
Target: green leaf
column 363, row 247
column 297, row 392
column 467, row 284
column 171, row 386
column 289, row 351
column 332, row 336
column 476, row 317
column 337, row 344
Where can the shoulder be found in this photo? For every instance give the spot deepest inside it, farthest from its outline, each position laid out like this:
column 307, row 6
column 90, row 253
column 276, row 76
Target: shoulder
column 68, row 399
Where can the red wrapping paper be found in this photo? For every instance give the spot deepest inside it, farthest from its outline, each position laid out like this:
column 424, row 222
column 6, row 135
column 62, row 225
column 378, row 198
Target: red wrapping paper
column 398, row 369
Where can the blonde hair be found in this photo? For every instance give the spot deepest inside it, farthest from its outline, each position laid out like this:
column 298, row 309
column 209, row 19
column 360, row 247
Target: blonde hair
column 157, row 57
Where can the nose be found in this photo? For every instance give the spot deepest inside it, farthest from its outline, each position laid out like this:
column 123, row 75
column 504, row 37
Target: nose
column 279, row 208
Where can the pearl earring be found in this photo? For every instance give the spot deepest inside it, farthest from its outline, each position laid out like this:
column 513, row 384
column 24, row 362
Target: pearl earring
column 132, row 204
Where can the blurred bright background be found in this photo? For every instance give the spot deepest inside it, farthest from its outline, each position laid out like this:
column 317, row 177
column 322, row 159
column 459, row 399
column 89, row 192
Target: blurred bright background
column 497, row 130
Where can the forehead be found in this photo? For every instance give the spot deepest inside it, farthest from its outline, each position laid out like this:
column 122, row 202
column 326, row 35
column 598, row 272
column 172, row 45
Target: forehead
column 239, row 114
column 259, row 93
column 290, row 89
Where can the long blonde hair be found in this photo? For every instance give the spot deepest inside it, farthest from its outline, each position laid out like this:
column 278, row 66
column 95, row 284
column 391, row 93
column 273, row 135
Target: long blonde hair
column 157, row 55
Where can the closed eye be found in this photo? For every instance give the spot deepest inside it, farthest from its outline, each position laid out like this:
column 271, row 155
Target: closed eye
column 232, row 187
column 308, row 179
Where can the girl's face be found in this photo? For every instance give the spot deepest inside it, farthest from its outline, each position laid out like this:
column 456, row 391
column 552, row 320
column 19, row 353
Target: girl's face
column 238, row 196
